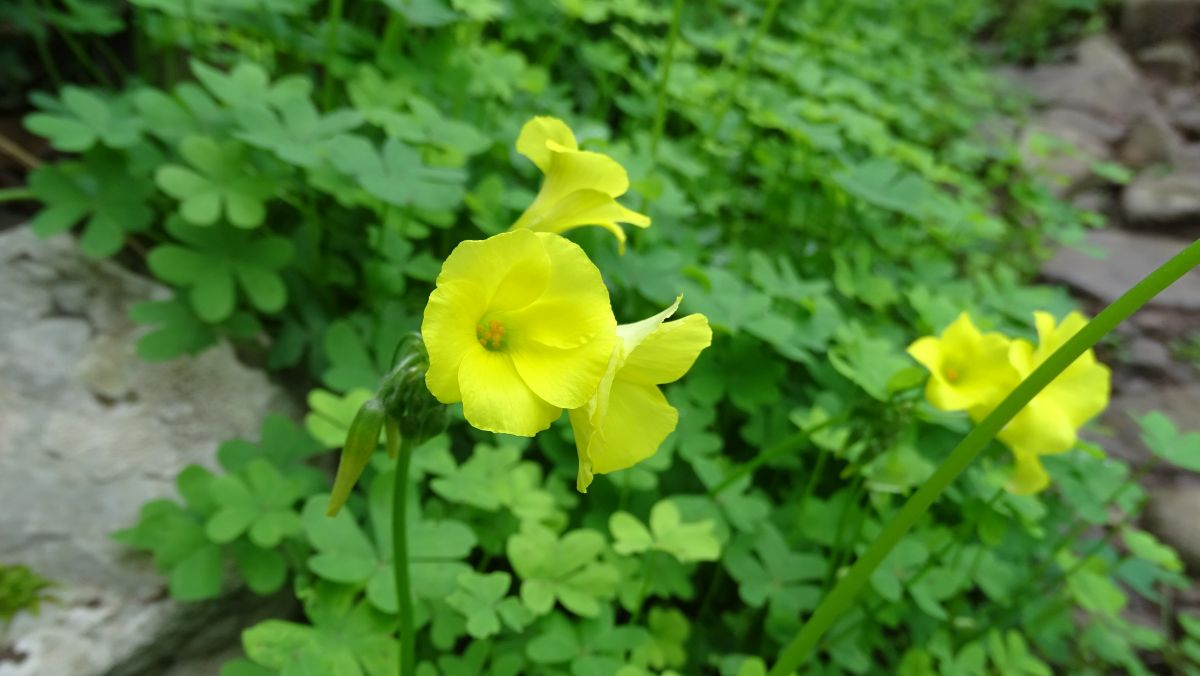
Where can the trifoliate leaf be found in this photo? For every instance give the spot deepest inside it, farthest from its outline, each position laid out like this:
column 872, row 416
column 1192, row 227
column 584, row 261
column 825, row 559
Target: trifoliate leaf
column 566, row 570
column 83, row 119
column 1164, row 440
column 330, row 415
column 217, row 181
column 99, row 189
column 686, row 542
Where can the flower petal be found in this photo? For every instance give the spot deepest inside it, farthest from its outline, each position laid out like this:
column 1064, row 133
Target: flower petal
column 1028, row 475
column 496, row 399
column 636, row 421
column 533, row 141
column 575, row 170
column 1042, row 427
column 578, row 209
column 581, row 427
column 511, row 269
column 448, row 329
column 667, row 353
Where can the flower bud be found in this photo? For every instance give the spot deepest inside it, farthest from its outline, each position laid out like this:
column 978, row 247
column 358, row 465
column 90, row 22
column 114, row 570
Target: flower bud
column 361, row 441
column 406, row 397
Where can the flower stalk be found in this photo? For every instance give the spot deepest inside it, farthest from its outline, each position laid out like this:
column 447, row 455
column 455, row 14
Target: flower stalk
column 400, row 565
column 839, row 600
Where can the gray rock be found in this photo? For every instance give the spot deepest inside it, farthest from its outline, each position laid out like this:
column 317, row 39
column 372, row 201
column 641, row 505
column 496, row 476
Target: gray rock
column 1150, row 355
column 1102, row 82
column 1173, row 61
column 1153, row 199
column 88, row 433
column 1138, row 396
column 1063, row 144
column 1130, row 257
column 1183, row 108
column 1151, row 140
column 1171, row 515
column 1145, row 22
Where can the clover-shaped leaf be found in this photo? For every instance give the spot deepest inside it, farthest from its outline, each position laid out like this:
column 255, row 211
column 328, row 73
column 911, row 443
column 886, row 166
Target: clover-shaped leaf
column 217, row 261
column 343, row 638
column 1164, row 440
column 282, row 443
column 481, row 599
column 396, row 174
column 257, row 501
column 767, row 571
column 248, row 85
column 567, row 569
column 330, row 415
column 83, row 119
column 346, row 554
column 180, row 547
column 99, row 189
column 687, row 542
column 294, row 129
column 179, row 331
column 593, row 646
column 666, row 646
column 494, row 477
column 216, row 180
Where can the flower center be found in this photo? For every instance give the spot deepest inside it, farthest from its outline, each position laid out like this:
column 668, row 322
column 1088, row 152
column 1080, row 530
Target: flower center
column 952, row 374
column 490, row 334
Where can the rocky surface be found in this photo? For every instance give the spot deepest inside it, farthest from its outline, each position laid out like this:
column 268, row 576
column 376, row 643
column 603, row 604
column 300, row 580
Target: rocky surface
column 1142, row 111
column 88, row 433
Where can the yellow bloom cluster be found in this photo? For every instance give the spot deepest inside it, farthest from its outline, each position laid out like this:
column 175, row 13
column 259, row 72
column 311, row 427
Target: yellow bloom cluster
column 520, row 325
column 973, row 371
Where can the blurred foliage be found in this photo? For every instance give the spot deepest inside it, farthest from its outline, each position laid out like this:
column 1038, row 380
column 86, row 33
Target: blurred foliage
column 828, row 183
column 21, row 590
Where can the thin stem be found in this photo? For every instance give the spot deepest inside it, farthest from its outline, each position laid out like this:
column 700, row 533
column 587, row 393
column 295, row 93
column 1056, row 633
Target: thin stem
column 764, row 24
column 16, row 195
column 789, row 443
column 404, row 599
column 660, row 106
column 839, row 600
column 334, row 20
column 391, row 36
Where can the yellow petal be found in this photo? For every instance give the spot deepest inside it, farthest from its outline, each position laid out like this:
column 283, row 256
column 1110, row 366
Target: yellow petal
column 562, row 342
column 1081, row 392
column 668, row 352
column 1042, row 427
column 578, row 209
column 581, row 427
column 496, row 399
column 533, row 141
column 634, row 333
column 448, row 328
column 637, row 420
column 928, row 353
column 1028, row 475
column 575, row 170
column 511, row 269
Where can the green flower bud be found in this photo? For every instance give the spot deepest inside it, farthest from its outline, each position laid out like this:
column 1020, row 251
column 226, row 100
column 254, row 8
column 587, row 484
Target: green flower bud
column 361, row 441
column 406, row 397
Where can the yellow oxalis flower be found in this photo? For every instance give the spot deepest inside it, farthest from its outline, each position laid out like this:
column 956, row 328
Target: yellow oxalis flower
column 580, row 188
column 519, row 328
column 968, row 369
column 1049, row 424
column 629, row 416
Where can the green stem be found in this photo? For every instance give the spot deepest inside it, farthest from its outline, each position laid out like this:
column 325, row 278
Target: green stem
column 839, row 600
column 660, row 107
column 789, row 443
column 334, row 19
column 16, row 195
column 391, row 36
column 404, row 599
column 744, row 65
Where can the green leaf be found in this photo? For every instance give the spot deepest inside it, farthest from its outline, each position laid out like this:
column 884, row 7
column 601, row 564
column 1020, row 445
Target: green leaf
column 567, row 570
column 84, row 119
column 264, row 570
column 477, row 598
column 396, row 174
column 198, row 576
column 667, row 533
column 330, row 415
column 1164, row 440
column 218, row 177
column 179, row 331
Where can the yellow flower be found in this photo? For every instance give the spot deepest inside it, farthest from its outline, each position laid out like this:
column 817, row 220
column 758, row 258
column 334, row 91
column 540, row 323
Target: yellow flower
column 968, row 369
column 1050, row 422
column 581, row 187
column 629, row 417
column 518, row 328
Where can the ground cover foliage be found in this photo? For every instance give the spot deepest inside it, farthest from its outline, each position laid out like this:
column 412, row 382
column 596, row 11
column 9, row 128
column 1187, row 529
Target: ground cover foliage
column 295, row 171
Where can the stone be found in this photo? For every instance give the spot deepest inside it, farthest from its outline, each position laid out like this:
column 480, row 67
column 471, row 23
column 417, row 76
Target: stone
column 1183, row 109
column 1149, row 355
column 1154, row 199
column 89, row 433
column 1171, row 515
column 1102, row 82
column 1146, row 22
column 1173, row 61
column 1136, row 396
column 1130, row 256
column 1151, row 140
column 1063, row 144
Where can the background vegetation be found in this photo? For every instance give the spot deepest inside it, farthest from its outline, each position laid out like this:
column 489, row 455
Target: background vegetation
column 824, row 187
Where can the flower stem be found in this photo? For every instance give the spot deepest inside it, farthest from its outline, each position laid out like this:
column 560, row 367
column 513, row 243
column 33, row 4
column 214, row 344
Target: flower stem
column 404, row 599
column 789, row 443
column 660, row 107
column 333, row 24
column 840, row 599
column 16, row 195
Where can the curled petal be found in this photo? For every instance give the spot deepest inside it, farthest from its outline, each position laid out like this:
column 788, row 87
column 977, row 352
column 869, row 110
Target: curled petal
column 536, row 138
